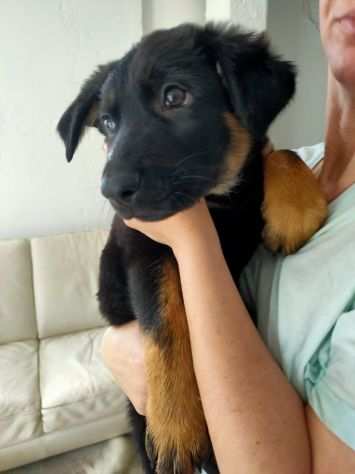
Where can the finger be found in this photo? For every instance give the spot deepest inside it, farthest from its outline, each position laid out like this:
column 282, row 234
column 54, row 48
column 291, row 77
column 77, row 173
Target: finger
column 140, row 407
column 131, row 222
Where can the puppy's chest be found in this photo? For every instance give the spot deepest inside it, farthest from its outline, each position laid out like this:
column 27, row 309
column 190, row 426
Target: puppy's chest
column 153, row 284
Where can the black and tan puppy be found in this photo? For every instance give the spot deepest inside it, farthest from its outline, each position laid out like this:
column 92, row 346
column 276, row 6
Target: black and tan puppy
column 185, row 115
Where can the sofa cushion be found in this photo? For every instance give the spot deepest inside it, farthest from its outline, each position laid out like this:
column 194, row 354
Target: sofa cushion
column 50, row 339
column 76, row 388
column 59, row 442
column 65, row 274
column 19, row 394
column 17, row 311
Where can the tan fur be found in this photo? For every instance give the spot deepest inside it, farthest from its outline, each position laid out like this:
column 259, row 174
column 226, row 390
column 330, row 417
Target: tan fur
column 294, row 207
column 237, row 153
column 175, row 418
column 91, row 116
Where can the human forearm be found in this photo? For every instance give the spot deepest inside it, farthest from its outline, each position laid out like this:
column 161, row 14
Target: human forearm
column 256, row 419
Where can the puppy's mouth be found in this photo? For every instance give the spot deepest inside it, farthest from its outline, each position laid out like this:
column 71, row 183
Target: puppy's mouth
column 161, row 195
column 171, row 204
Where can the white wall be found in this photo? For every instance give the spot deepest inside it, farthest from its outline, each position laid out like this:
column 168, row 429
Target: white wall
column 169, row 13
column 47, row 48
column 218, row 10
column 297, row 38
column 251, row 14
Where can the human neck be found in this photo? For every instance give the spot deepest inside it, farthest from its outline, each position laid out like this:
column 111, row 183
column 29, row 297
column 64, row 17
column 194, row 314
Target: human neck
column 338, row 170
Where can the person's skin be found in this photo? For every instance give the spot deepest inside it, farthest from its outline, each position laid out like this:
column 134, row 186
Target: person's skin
column 256, row 419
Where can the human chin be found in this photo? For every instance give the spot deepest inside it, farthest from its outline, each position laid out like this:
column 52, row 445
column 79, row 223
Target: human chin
column 342, row 65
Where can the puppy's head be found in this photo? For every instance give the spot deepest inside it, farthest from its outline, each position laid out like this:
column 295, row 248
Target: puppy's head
column 179, row 112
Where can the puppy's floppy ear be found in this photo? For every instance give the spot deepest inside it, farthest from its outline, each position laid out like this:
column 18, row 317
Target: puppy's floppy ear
column 258, row 82
column 82, row 111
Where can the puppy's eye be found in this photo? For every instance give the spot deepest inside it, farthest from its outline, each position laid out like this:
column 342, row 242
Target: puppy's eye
column 108, row 122
column 174, row 97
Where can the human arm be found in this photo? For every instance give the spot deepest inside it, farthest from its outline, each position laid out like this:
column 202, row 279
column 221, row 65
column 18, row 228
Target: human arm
column 122, row 351
column 256, row 419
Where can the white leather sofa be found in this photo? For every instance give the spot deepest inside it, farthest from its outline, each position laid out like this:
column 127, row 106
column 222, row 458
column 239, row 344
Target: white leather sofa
column 55, row 393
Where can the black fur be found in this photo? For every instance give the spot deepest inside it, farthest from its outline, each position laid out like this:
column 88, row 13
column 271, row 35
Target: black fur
column 162, row 160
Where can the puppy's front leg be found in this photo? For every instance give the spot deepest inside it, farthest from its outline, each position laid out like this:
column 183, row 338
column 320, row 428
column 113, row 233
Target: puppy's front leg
column 294, row 207
column 177, row 430
column 113, row 290
column 115, row 306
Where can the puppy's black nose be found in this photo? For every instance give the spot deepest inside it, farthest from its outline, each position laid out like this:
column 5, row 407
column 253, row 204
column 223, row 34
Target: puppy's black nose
column 122, row 188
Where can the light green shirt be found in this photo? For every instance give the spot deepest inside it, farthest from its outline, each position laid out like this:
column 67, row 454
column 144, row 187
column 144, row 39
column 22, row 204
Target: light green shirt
column 305, row 309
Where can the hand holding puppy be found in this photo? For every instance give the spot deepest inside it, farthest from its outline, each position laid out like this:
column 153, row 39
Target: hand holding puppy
column 190, row 226
column 122, row 351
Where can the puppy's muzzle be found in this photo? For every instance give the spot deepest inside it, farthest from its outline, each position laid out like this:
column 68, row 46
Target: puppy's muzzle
column 121, row 188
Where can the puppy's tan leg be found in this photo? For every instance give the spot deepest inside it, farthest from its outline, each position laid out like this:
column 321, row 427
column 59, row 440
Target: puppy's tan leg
column 294, row 207
column 175, row 418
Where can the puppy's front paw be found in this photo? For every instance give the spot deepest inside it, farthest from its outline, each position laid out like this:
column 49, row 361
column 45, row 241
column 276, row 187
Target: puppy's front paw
column 178, row 438
column 294, row 207
column 170, row 464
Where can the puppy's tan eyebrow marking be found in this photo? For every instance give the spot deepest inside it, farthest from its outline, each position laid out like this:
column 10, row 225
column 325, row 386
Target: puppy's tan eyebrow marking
column 92, row 115
column 109, row 99
column 235, row 157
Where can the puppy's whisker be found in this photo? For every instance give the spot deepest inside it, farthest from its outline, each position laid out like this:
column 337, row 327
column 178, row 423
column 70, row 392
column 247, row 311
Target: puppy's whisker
column 179, row 202
column 190, row 198
column 194, row 180
column 192, row 155
column 193, row 177
column 188, row 157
